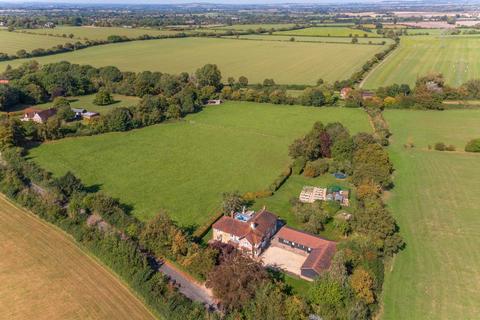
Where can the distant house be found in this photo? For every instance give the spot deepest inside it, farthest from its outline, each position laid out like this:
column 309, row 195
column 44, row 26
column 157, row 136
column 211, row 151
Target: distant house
column 246, row 230
column 4, row 81
column 37, row 115
column 90, row 115
column 79, row 112
column 319, row 251
column 214, row 102
column 367, row 95
column 345, row 92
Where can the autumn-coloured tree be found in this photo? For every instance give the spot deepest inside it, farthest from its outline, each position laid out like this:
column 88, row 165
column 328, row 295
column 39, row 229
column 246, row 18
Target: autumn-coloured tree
column 363, row 284
column 235, row 281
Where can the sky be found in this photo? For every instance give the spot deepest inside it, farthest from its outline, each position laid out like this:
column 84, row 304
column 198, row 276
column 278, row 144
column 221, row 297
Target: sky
column 191, row 1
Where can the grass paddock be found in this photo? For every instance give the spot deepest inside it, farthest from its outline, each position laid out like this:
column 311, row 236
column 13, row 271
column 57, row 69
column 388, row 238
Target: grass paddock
column 436, row 204
column 184, row 167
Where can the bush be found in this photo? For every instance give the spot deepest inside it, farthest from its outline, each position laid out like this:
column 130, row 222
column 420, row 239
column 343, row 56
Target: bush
column 315, row 168
column 440, row 146
column 298, row 165
column 473, row 145
column 281, row 179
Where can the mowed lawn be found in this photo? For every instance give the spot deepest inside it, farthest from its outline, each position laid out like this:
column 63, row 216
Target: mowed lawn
column 436, row 204
column 285, row 62
column 456, row 57
column 184, row 167
column 101, row 33
column 11, row 42
column 328, row 31
column 44, row 275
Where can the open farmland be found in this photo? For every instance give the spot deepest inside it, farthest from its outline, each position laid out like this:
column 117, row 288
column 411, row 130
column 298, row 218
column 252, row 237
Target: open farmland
column 246, row 27
column 312, row 39
column 44, row 275
column 285, row 62
column 185, row 166
column 101, row 33
column 456, row 57
column 11, row 42
column 328, row 31
column 436, row 204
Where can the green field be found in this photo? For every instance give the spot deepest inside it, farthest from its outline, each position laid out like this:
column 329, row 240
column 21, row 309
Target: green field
column 185, row 166
column 327, row 31
column 285, row 62
column 101, row 33
column 436, row 204
column 86, row 102
column 245, row 27
column 312, row 39
column 457, row 57
column 11, row 42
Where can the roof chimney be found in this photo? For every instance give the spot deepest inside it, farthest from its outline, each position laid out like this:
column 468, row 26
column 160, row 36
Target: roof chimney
column 253, row 225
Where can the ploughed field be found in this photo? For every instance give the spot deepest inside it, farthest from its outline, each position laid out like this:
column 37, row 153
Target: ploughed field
column 184, row 167
column 285, row 62
column 456, row 57
column 44, row 275
column 436, row 204
column 11, row 42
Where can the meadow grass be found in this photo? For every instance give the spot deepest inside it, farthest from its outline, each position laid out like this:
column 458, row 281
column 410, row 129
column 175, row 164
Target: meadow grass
column 456, row 57
column 326, row 31
column 275, row 37
column 11, row 42
column 101, row 33
column 285, row 62
column 435, row 202
column 44, row 275
column 184, row 167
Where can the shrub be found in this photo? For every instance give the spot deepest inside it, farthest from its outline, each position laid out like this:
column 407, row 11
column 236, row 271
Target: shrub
column 473, row 145
column 315, row 168
column 298, row 165
column 440, row 146
column 450, row 147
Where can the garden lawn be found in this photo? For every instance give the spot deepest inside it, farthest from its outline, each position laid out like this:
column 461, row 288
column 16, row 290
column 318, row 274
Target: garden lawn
column 328, row 31
column 101, row 33
column 456, row 57
column 45, row 275
column 11, row 42
column 184, row 167
column 436, row 204
column 280, row 201
column 285, row 62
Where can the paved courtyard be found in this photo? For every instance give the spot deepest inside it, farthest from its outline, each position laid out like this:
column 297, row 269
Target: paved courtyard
column 280, row 258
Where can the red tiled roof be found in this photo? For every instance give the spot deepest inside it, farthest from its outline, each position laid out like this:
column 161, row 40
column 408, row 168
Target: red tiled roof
column 263, row 221
column 320, row 258
column 322, row 252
